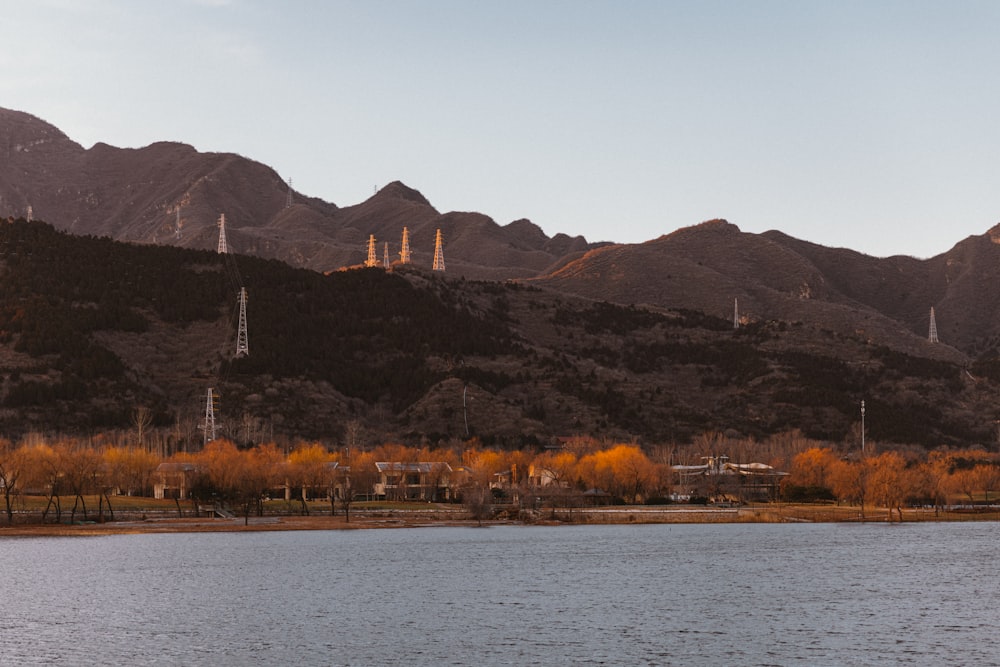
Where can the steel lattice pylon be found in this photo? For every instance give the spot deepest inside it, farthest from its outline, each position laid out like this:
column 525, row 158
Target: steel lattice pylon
column 438, row 253
column 209, row 417
column 223, row 247
column 404, row 251
column 371, row 261
column 242, row 346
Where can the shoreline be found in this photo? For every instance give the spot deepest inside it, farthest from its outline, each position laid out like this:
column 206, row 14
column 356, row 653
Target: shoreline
column 421, row 518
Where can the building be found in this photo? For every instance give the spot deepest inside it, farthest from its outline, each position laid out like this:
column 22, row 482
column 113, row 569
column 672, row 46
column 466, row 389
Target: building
column 719, row 480
column 430, row 481
column 173, row 480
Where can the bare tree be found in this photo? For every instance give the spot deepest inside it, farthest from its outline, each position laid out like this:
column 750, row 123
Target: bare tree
column 478, row 500
column 142, row 417
column 11, row 467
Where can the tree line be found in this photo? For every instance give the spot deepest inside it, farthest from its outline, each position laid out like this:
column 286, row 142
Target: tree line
column 67, row 473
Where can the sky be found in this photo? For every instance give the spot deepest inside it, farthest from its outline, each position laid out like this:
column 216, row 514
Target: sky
column 871, row 125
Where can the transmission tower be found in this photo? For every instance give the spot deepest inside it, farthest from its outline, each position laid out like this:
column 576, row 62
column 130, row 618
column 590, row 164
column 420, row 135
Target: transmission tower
column 932, row 334
column 404, row 251
column 371, row 261
column 736, row 313
column 288, row 199
column 209, row 417
column 385, row 256
column 438, row 253
column 30, row 213
column 223, row 247
column 242, row 348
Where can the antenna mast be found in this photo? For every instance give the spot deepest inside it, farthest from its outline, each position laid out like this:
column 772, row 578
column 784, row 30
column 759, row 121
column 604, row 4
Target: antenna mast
column 371, row 261
column 404, row 251
column 242, row 348
column 30, row 213
column 736, row 313
column 223, row 247
column 438, row 253
column 932, row 333
column 209, row 418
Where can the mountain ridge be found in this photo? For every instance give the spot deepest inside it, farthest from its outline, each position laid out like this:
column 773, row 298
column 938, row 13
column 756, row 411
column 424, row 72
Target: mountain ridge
column 169, row 193
column 417, row 356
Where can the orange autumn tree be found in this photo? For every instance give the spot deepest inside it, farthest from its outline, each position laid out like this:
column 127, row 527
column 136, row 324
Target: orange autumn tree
column 624, row 471
column 889, row 481
column 558, row 468
column 933, row 474
column 239, row 478
column 309, row 470
column 809, row 478
column 129, row 469
column 849, row 481
column 11, row 474
column 357, row 476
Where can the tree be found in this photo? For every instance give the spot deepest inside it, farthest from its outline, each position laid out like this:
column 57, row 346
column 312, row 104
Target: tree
column 358, row 476
column 888, row 481
column 989, row 478
column 810, row 474
column 624, row 471
column 42, row 470
column 933, row 477
column 142, row 417
column 964, row 481
column 478, row 500
column 849, row 482
column 11, row 469
column 309, row 470
column 80, row 466
column 812, row 467
column 260, row 468
column 129, row 469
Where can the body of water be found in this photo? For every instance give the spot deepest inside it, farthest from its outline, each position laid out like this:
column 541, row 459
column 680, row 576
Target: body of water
column 728, row 594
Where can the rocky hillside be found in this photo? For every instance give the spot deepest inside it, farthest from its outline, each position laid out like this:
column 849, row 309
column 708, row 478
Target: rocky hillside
column 524, row 337
column 91, row 330
column 772, row 276
column 171, row 194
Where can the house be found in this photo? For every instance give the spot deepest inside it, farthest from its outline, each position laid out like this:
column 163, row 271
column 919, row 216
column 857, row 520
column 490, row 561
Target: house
column 173, row 480
column 719, row 479
column 318, row 483
column 543, row 477
column 430, row 481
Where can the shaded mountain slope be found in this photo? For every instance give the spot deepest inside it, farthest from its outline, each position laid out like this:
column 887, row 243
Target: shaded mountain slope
column 90, row 329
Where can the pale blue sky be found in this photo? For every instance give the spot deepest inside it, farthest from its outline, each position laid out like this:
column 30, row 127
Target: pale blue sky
column 868, row 125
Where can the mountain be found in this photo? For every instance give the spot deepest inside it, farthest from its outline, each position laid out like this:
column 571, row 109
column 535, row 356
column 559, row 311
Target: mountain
column 170, row 194
column 771, row 276
column 547, row 336
column 92, row 330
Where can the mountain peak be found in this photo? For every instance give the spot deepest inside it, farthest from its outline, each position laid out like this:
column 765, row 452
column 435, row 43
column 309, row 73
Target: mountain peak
column 994, row 233
column 527, row 231
column 718, row 224
column 398, row 190
column 22, row 132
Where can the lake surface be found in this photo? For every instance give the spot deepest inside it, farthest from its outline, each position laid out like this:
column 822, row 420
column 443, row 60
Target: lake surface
column 732, row 594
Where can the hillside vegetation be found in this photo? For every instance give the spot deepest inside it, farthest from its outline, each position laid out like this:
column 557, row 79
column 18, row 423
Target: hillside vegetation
column 95, row 335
